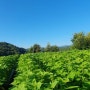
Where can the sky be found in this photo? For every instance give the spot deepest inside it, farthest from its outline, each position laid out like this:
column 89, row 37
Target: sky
column 28, row 22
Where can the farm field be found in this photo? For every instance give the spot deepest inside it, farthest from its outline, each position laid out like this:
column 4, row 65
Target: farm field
column 68, row 70
column 45, row 45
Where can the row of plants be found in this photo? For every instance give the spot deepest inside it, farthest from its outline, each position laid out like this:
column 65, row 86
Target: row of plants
column 69, row 70
column 8, row 65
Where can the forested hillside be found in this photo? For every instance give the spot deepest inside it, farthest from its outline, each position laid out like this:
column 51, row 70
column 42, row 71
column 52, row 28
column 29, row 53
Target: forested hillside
column 10, row 49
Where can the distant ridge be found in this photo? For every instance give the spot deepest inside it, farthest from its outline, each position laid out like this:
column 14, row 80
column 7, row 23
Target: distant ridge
column 65, row 47
column 10, row 49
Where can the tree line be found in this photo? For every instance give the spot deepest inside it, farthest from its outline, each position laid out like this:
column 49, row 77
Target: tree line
column 49, row 48
column 10, row 49
column 79, row 41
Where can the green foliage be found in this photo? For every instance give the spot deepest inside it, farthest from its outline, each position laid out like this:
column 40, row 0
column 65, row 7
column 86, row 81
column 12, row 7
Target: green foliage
column 7, row 63
column 69, row 70
column 50, row 48
column 81, row 41
column 34, row 49
column 54, row 48
column 9, row 49
column 87, row 40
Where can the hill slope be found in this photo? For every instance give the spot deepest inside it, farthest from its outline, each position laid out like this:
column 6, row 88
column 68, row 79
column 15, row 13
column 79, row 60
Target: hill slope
column 10, row 49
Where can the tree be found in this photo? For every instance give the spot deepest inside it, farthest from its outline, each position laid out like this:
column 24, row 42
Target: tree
column 30, row 50
column 87, row 41
column 79, row 40
column 48, row 48
column 54, row 48
column 35, row 48
column 42, row 49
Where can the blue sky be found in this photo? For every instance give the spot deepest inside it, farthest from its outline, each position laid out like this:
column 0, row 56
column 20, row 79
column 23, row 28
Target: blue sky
column 26, row 22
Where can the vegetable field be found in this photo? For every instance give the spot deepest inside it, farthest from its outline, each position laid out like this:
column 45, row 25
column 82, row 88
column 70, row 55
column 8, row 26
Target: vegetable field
column 7, row 64
column 68, row 70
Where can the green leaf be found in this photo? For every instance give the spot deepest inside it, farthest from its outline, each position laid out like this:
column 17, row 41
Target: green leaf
column 72, row 87
column 39, row 85
column 53, row 84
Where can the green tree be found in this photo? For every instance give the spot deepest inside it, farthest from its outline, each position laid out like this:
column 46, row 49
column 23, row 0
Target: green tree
column 48, row 48
column 79, row 40
column 87, row 41
column 42, row 49
column 30, row 50
column 35, row 48
column 54, row 48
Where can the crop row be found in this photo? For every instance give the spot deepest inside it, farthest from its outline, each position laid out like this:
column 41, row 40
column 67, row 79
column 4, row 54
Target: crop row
column 7, row 65
column 68, row 70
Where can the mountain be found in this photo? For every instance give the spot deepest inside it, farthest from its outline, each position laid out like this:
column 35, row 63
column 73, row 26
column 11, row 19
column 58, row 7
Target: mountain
column 10, row 49
column 63, row 48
